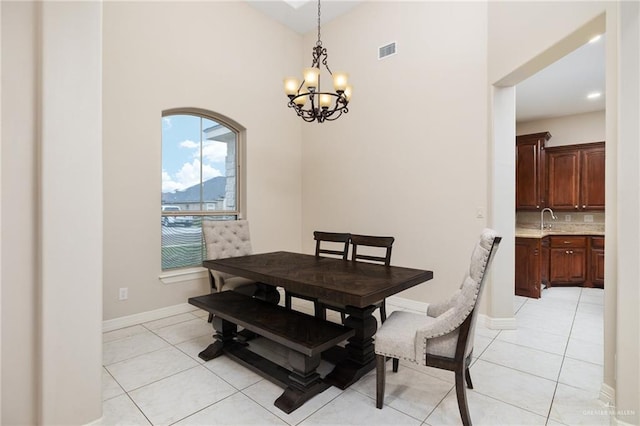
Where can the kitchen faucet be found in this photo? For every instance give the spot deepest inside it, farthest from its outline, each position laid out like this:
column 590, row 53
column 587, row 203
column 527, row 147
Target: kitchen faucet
column 542, row 217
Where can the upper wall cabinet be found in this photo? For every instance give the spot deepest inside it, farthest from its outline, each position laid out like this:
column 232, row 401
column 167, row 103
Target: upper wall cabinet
column 530, row 167
column 575, row 177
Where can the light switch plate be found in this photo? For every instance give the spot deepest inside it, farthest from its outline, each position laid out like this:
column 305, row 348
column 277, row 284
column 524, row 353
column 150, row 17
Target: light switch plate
column 588, row 218
column 567, row 218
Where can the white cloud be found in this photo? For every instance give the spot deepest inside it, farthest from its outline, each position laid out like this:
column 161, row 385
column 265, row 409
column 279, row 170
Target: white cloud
column 187, row 176
column 214, row 152
column 189, row 144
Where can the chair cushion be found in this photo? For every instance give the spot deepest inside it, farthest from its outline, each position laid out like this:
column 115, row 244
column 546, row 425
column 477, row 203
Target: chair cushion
column 226, row 238
column 396, row 337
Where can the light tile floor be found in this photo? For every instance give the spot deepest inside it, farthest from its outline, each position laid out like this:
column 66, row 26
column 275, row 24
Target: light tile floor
column 547, row 372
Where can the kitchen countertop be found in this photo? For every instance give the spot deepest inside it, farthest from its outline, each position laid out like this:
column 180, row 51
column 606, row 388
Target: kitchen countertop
column 537, row 233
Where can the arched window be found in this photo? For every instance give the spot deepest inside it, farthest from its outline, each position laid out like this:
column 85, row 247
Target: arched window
column 200, row 180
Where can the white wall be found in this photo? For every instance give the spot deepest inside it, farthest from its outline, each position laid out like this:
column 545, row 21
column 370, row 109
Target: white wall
column 625, row 306
column 410, row 159
column 569, row 129
column 222, row 56
column 19, row 248
column 51, row 143
column 70, row 175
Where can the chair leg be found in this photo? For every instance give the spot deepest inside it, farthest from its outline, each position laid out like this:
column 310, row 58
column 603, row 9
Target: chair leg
column 319, row 310
column 396, row 363
column 210, row 318
column 343, row 317
column 383, row 312
column 380, row 379
column 462, row 396
column 467, row 376
column 287, row 300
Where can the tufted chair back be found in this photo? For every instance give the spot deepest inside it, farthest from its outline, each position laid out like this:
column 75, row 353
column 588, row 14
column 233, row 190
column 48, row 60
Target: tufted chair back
column 226, row 238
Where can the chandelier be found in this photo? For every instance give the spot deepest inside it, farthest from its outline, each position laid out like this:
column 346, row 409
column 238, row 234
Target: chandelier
column 307, row 98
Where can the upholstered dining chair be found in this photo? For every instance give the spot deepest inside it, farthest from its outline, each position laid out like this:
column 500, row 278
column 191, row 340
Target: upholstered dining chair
column 332, row 244
column 443, row 338
column 223, row 239
column 379, row 251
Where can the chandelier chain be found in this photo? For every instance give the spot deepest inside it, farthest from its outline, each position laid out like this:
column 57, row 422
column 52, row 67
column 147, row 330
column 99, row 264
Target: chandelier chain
column 319, row 42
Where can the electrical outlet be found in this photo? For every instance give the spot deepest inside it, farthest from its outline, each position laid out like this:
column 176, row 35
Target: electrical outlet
column 567, row 218
column 123, row 294
column 479, row 213
column 588, row 218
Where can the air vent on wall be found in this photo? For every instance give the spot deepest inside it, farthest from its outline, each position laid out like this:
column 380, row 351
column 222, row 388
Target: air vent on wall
column 387, row 50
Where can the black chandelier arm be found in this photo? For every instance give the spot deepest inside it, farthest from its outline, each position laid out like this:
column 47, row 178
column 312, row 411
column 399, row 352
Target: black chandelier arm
column 317, row 113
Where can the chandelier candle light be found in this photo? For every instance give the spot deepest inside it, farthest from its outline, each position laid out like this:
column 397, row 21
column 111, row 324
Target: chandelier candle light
column 321, row 105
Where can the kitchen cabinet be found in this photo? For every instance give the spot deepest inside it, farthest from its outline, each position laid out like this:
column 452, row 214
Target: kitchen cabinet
column 528, row 267
column 568, row 260
column 592, row 160
column 530, row 167
column 575, row 177
column 545, row 252
column 596, row 260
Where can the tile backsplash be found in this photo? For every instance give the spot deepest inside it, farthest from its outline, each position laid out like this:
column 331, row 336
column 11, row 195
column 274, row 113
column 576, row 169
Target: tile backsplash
column 587, row 221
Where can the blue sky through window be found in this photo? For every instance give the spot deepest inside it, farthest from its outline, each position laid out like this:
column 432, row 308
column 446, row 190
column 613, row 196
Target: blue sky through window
column 182, row 156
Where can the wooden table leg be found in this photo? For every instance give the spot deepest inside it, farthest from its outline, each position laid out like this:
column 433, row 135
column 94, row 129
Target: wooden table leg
column 360, row 355
column 225, row 332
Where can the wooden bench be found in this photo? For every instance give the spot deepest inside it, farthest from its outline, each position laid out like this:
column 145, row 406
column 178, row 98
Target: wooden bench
column 305, row 336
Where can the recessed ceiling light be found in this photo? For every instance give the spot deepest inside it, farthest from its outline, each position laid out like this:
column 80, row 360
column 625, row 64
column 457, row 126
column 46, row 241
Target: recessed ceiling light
column 595, row 38
column 594, row 95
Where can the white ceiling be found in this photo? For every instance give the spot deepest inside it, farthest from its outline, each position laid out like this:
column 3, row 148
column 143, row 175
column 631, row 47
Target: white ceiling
column 560, row 89
column 302, row 15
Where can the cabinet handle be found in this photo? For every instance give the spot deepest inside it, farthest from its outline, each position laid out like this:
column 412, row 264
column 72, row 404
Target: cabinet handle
column 566, row 252
column 537, row 207
column 584, row 206
column 567, row 242
column 576, row 206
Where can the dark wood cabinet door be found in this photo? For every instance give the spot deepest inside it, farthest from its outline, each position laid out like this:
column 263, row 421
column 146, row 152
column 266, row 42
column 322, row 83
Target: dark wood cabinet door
column 592, row 163
column 558, row 268
column 596, row 261
column 527, row 275
column 544, row 261
column 530, row 162
column 568, row 265
column 577, row 265
column 563, row 179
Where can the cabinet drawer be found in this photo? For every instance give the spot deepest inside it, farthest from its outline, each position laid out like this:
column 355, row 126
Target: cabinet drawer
column 560, row 242
column 597, row 242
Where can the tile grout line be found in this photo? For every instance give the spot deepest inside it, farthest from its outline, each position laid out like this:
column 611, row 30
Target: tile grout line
column 555, row 390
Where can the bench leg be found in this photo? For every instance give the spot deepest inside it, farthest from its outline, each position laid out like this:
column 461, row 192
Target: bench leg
column 225, row 332
column 304, row 382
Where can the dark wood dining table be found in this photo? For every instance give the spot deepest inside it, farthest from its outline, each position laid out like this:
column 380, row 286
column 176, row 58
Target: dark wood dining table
column 353, row 286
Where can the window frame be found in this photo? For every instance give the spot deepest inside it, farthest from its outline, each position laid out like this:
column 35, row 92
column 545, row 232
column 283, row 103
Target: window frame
column 185, row 273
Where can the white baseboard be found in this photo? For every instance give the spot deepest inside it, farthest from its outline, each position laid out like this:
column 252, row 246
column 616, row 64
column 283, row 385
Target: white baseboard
column 414, row 305
column 129, row 320
column 492, row 323
column 617, row 422
column 498, row 323
column 607, row 394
